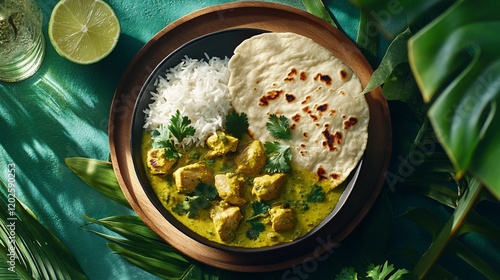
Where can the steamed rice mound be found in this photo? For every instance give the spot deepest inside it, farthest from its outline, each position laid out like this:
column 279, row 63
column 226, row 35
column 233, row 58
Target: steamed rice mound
column 198, row 89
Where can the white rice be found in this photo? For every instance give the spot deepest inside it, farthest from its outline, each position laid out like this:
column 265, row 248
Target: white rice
column 198, row 89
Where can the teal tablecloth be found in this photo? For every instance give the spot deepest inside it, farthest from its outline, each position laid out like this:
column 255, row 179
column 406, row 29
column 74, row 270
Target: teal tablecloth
column 62, row 111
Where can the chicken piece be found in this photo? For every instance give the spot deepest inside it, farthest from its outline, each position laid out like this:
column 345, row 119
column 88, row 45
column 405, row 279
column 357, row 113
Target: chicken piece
column 226, row 220
column 188, row 177
column 158, row 162
column 282, row 219
column 268, row 187
column 229, row 188
column 252, row 159
column 221, row 144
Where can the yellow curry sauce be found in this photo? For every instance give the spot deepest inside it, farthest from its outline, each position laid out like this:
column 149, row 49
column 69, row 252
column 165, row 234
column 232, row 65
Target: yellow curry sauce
column 294, row 194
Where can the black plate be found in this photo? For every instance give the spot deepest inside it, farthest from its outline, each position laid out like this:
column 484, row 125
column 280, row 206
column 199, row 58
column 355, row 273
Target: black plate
column 218, row 44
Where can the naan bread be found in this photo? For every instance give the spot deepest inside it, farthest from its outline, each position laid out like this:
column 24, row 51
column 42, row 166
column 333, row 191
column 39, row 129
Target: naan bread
column 291, row 75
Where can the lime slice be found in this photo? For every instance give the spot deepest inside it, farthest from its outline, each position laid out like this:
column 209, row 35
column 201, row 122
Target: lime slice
column 83, row 31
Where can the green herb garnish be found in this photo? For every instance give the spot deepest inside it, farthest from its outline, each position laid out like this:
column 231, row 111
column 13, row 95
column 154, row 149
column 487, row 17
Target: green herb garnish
column 278, row 127
column 317, row 194
column 280, row 157
column 236, row 124
column 255, row 229
column 180, row 126
column 161, row 140
column 206, row 190
column 260, row 210
column 199, row 199
column 162, row 136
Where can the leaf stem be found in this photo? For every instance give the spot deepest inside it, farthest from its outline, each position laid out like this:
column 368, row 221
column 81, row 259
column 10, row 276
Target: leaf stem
column 449, row 231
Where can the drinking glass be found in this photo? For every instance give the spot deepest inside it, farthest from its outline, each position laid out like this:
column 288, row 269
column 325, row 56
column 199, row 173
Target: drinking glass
column 22, row 45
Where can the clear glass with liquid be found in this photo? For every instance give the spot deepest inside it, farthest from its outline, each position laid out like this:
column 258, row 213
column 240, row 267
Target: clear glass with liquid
column 22, row 45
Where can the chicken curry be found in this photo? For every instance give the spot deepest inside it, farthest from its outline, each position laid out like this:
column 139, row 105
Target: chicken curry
column 222, row 192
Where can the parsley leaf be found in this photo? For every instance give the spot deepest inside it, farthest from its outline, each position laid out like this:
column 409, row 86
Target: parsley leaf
column 278, row 127
column 180, row 126
column 280, row 157
column 316, row 195
column 237, row 124
column 255, row 229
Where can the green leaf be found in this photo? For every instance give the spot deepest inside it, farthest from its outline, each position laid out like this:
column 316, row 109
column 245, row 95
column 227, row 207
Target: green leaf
column 395, row 55
column 279, row 127
column 206, row 190
column 449, row 231
column 456, row 62
column 199, row 199
column 140, row 249
column 237, row 124
column 401, row 86
column 156, row 264
column 347, row 273
column 393, row 17
column 425, row 219
column 260, row 210
column 180, row 126
column 476, row 223
column 438, row 192
column 255, row 229
column 131, row 227
column 458, row 249
column 39, row 253
column 279, row 157
column 317, row 194
column 366, row 39
column 99, row 175
column 160, row 136
column 317, row 8
column 381, row 272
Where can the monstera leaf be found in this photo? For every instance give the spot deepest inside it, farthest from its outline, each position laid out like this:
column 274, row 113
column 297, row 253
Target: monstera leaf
column 455, row 61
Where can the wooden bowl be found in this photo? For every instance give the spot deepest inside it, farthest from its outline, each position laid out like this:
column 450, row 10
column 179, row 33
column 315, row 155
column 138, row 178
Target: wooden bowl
column 218, row 30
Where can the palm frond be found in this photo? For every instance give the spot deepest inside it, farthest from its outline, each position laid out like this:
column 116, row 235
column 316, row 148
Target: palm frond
column 99, row 175
column 37, row 252
column 142, row 247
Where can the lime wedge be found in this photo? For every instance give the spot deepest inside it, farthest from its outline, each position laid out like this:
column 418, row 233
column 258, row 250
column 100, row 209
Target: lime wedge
column 83, row 31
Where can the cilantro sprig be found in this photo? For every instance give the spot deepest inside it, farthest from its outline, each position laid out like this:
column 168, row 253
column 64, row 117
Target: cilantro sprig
column 179, row 128
column 278, row 127
column 379, row 272
column 317, row 194
column 237, row 124
column 256, row 227
column 279, row 157
column 199, row 199
column 260, row 210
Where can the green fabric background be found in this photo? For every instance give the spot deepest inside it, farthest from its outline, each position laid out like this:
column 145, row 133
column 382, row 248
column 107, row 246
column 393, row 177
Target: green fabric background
column 62, row 111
